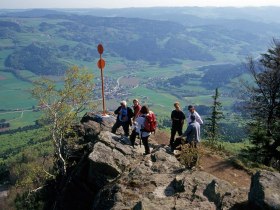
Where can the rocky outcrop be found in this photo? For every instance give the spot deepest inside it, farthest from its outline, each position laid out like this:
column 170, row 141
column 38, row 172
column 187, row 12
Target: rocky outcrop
column 114, row 175
column 108, row 160
column 148, row 186
column 265, row 190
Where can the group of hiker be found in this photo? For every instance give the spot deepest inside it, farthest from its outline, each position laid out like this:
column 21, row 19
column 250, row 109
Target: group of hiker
column 143, row 122
column 192, row 132
column 136, row 118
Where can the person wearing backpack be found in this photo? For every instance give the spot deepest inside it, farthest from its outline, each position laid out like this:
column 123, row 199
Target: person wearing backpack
column 177, row 117
column 140, row 129
column 123, row 119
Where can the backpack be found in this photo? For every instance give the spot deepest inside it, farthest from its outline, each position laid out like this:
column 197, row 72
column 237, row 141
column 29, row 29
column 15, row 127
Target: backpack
column 150, row 123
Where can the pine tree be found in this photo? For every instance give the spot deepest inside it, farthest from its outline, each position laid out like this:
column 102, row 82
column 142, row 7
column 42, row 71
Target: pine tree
column 264, row 105
column 212, row 123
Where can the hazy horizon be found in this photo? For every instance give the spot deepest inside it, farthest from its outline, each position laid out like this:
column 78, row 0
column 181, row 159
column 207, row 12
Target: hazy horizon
column 110, row 4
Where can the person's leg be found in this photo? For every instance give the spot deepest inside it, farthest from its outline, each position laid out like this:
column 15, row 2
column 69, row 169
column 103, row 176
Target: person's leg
column 126, row 128
column 133, row 137
column 116, row 126
column 180, row 131
column 173, row 133
column 146, row 145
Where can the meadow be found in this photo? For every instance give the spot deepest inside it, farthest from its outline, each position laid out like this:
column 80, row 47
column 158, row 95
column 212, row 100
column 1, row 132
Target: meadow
column 17, row 103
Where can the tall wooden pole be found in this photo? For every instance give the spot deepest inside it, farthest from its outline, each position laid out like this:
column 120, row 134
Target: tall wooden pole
column 101, row 65
column 103, row 96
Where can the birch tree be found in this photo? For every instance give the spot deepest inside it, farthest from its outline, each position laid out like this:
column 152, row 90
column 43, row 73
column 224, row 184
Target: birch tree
column 61, row 105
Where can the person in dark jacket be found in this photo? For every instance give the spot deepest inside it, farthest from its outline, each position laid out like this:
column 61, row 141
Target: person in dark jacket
column 123, row 119
column 177, row 117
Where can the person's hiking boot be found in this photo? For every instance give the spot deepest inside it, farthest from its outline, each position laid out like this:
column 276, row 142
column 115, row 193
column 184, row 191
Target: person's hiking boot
column 171, row 147
column 146, row 153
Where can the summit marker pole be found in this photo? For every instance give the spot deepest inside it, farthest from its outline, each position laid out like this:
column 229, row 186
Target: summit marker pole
column 101, row 66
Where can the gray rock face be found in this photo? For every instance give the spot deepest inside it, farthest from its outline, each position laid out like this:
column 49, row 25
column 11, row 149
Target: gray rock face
column 148, row 186
column 116, row 176
column 265, row 190
column 107, row 161
column 124, row 179
column 96, row 122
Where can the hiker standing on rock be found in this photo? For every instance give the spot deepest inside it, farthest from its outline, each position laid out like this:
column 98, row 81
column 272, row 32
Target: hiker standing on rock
column 136, row 109
column 123, row 119
column 193, row 112
column 138, row 130
column 177, row 117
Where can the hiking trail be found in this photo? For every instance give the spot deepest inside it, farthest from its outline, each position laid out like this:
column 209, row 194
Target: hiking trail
column 214, row 164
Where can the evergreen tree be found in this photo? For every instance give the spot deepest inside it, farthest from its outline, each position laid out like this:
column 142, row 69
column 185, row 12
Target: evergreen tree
column 212, row 123
column 264, row 105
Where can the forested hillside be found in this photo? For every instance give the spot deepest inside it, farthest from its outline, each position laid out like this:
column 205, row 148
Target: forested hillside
column 159, row 55
column 62, row 37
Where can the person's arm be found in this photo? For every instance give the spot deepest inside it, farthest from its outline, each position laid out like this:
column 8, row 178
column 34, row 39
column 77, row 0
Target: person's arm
column 198, row 118
column 130, row 113
column 172, row 115
column 183, row 115
column 189, row 119
column 183, row 118
column 188, row 130
column 137, row 110
column 138, row 124
column 117, row 110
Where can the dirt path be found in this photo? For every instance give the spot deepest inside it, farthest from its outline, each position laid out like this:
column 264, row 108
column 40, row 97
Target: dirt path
column 214, row 164
column 224, row 169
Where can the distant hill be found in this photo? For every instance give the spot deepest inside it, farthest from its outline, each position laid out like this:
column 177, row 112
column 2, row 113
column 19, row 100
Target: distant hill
column 161, row 36
column 192, row 16
column 169, row 54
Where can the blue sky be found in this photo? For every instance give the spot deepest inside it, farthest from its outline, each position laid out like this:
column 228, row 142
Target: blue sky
column 24, row 4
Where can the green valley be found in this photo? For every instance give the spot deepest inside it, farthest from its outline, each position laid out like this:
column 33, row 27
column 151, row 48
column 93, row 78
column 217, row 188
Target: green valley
column 157, row 58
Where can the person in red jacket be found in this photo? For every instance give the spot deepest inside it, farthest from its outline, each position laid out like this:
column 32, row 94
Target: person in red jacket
column 136, row 109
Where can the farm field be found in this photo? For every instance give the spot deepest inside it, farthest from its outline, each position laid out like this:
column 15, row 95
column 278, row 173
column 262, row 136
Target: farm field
column 159, row 61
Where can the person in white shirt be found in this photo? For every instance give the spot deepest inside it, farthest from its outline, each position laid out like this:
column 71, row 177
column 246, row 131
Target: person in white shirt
column 138, row 130
column 193, row 112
